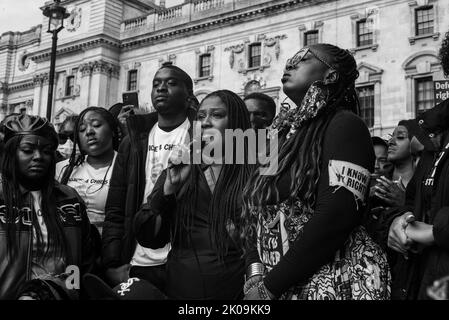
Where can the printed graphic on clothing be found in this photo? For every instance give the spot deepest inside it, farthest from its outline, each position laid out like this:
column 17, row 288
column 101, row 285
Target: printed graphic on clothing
column 272, row 240
column 349, row 176
column 160, row 145
column 92, row 184
column 156, row 169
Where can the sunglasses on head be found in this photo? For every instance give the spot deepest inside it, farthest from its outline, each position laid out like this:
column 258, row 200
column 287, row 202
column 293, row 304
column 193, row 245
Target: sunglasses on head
column 299, row 56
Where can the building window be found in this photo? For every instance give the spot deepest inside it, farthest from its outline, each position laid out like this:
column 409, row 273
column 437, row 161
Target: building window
column 310, row 37
column 205, row 62
column 424, row 20
column 366, row 99
column 69, row 86
column 255, row 55
column 364, row 33
column 132, row 80
column 424, row 94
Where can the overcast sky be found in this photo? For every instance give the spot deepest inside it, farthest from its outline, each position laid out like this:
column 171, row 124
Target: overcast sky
column 20, row 15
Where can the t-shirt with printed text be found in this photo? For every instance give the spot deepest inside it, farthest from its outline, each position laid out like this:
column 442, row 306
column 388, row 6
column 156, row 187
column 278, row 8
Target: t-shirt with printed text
column 92, row 185
column 160, row 145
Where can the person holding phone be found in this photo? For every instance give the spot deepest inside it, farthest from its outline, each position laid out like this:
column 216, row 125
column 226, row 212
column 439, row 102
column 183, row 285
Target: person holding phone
column 142, row 156
column 122, row 111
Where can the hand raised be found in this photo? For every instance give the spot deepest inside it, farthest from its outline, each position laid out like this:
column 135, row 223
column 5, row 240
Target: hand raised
column 178, row 169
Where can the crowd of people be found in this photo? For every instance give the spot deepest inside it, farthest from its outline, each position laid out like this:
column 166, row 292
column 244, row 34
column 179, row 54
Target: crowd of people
column 343, row 216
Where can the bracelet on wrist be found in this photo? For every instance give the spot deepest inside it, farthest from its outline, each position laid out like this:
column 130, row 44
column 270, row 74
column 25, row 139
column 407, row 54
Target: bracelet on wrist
column 255, row 269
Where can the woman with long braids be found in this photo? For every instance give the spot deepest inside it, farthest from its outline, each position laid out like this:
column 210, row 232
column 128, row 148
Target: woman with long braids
column 305, row 219
column 97, row 138
column 197, row 208
column 44, row 227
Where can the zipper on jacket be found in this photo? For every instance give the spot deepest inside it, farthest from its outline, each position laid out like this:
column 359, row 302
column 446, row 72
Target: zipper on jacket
column 30, row 244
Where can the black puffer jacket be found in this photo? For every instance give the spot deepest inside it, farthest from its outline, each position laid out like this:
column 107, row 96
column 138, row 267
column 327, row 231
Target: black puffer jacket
column 77, row 230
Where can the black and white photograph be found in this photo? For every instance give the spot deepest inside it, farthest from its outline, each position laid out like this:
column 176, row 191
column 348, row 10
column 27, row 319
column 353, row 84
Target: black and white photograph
column 192, row 152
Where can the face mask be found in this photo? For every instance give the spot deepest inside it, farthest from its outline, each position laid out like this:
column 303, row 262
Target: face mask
column 66, row 149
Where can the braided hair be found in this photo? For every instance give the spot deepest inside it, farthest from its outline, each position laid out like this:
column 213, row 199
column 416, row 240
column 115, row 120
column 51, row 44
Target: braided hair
column 300, row 156
column 13, row 198
column 75, row 160
column 226, row 199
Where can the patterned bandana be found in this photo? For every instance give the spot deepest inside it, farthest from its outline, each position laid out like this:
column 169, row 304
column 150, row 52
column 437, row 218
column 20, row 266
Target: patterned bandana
column 293, row 118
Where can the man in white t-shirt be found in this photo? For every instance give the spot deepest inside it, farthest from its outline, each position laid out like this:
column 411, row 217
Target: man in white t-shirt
column 142, row 156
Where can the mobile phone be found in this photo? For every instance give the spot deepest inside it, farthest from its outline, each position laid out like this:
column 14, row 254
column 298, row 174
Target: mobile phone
column 131, row 98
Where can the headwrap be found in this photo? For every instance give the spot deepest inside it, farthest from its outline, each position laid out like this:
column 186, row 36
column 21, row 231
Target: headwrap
column 23, row 124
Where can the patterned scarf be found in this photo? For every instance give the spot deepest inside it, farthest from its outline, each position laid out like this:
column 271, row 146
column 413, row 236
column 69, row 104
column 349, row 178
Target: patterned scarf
column 291, row 119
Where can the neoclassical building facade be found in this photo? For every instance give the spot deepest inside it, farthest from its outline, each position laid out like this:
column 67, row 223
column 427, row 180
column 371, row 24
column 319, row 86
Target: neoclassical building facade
column 109, row 47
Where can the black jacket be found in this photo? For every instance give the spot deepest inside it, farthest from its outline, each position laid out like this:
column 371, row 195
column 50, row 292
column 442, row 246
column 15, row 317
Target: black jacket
column 194, row 268
column 413, row 276
column 126, row 192
column 77, row 230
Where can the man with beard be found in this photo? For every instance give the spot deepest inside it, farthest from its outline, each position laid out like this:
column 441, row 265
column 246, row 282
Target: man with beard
column 151, row 137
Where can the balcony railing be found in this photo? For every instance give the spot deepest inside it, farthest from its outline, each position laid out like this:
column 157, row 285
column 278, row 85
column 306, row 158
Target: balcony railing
column 135, row 23
column 170, row 13
column 203, row 5
column 184, row 13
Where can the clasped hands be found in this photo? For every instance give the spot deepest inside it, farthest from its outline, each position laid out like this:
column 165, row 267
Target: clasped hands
column 405, row 233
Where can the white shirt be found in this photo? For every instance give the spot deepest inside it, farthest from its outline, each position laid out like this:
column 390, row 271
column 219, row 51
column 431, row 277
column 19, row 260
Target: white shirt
column 160, row 145
column 92, row 185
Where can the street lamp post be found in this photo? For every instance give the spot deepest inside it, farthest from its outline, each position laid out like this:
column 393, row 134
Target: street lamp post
column 56, row 15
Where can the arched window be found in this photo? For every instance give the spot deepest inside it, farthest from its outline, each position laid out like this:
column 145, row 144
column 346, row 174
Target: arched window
column 421, row 70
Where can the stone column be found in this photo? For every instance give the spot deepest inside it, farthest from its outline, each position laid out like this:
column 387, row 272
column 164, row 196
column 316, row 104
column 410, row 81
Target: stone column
column 104, row 84
column 40, row 94
column 37, row 98
column 99, row 84
column 86, row 74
